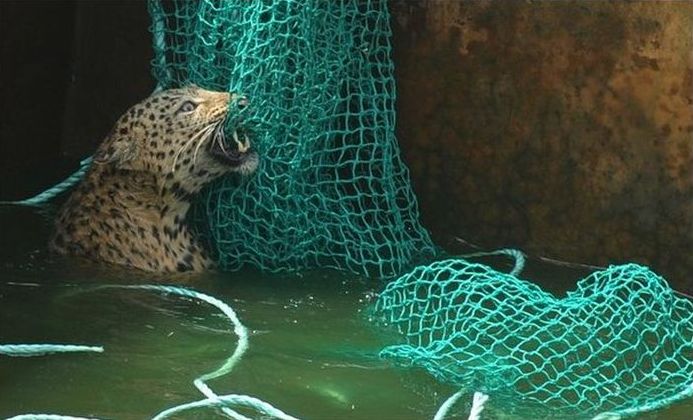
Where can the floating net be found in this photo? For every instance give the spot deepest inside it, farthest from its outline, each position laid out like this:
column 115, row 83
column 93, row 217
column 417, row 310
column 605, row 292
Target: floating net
column 622, row 342
column 331, row 189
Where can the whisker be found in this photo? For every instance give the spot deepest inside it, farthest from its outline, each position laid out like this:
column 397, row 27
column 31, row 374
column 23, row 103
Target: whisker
column 213, row 134
column 182, row 148
column 209, row 131
column 188, row 143
column 221, row 142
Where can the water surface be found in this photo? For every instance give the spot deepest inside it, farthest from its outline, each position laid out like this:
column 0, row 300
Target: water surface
column 313, row 350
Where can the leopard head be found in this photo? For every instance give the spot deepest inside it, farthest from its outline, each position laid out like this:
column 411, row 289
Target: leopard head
column 177, row 136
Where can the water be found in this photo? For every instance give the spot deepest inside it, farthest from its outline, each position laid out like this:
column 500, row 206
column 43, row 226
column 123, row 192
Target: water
column 313, row 351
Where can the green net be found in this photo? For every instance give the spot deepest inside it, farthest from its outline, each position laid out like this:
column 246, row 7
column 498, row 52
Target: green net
column 331, row 190
column 621, row 342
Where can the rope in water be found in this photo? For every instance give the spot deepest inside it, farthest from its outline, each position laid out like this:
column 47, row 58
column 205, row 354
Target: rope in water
column 478, row 402
column 57, row 189
column 549, row 261
column 225, row 402
column 477, row 405
column 443, row 410
column 48, row 417
column 518, row 255
column 30, row 350
column 214, row 400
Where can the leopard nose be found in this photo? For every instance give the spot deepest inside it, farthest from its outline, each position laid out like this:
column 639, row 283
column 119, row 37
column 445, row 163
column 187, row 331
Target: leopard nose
column 242, row 102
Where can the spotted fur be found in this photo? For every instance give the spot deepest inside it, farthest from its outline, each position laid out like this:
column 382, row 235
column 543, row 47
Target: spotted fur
column 130, row 209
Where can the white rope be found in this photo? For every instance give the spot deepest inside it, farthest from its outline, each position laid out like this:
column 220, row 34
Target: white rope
column 477, row 405
column 478, row 402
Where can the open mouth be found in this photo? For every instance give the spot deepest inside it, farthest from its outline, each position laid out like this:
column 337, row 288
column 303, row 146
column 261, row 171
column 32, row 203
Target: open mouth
column 234, row 151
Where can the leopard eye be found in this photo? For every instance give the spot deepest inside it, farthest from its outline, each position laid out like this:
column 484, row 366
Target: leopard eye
column 188, row 106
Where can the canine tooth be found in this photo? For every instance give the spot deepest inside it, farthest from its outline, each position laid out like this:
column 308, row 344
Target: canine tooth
column 242, row 147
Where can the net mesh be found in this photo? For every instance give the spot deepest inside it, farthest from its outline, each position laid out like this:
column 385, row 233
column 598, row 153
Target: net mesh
column 621, row 342
column 331, row 189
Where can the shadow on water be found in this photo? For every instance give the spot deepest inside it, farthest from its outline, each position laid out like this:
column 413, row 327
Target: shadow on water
column 313, row 351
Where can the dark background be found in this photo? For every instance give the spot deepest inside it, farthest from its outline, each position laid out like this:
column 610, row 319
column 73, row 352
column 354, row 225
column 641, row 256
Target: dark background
column 563, row 129
column 68, row 69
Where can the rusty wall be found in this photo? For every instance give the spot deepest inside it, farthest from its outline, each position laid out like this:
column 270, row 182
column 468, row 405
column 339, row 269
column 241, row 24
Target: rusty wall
column 562, row 128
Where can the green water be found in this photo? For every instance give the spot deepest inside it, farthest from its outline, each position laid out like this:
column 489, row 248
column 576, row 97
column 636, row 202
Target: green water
column 312, row 348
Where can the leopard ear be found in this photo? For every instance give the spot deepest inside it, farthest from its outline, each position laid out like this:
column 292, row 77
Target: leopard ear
column 118, row 150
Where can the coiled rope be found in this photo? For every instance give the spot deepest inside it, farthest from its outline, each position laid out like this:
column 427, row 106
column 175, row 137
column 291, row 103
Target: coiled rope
column 214, row 400
column 225, row 402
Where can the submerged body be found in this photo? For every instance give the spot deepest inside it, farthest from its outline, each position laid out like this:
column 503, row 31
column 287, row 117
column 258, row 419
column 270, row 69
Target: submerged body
column 130, row 208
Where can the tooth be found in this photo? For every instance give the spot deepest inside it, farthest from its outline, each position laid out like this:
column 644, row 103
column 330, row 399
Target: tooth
column 235, row 138
column 242, row 147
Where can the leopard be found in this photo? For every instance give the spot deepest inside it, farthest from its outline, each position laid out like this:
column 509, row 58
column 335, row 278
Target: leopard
column 131, row 207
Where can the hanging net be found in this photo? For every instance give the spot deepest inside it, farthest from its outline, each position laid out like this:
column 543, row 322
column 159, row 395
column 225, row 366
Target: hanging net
column 331, row 190
column 622, row 342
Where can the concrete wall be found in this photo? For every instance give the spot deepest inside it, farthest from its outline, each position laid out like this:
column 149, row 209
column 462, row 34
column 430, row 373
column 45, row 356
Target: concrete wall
column 563, row 128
